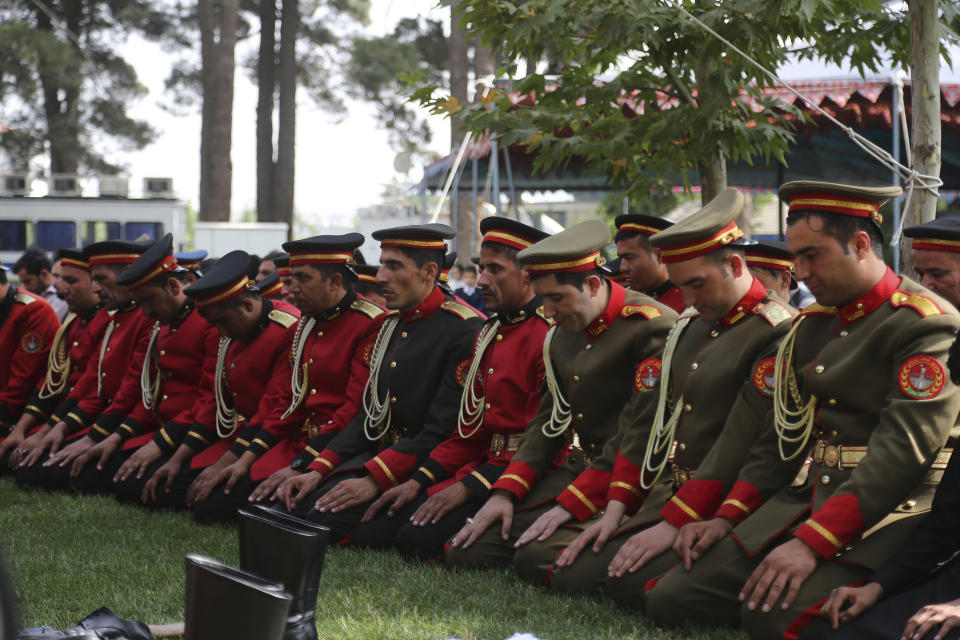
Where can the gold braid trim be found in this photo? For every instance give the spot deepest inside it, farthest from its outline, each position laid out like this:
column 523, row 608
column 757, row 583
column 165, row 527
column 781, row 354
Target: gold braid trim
column 58, row 362
column 227, row 416
column 794, row 425
column 377, row 411
column 298, row 385
column 149, row 383
column 103, row 352
column 560, row 414
column 471, row 401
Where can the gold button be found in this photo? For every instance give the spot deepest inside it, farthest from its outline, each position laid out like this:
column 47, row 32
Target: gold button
column 832, row 402
column 487, row 406
column 310, row 361
column 579, row 416
column 588, row 347
column 162, row 352
column 103, row 375
column 403, row 334
column 909, row 504
column 833, row 434
column 687, row 408
column 576, row 378
column 393, row 399
column 816, row 433
column 108, row 349
column 681, row 447
column 819, row 368
column 313, row 392
column 739, row 309
column 859, row 305
column 490, row 372
column 233, row 365
column 319, row 334
column 393, row 365
column 824, row 479
column 844, row 333
column 164, row 398
column 173, row 330
column 714, row 333
column 694, row 366
column 499, row 337
column 234, row 394
column 75, row 343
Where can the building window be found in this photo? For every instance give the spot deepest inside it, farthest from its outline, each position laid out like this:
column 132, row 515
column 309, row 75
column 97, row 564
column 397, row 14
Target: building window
column 100, row 231
column 134, row 230
column 13, row 235
column 52, row 235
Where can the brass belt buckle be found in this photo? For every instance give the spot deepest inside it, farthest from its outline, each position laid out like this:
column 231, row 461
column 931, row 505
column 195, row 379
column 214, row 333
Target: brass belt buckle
column 497, row 443
column 680, row 476
column 311, row 429
column 831, row 456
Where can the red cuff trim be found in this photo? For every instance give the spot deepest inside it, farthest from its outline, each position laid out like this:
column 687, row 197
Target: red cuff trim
column 835, row 525
column 625, row 471
column 381, row 473
column 693, row 501
column 517, row 478
column 625, row 493
column 678, row 513
column 578, row 504
column 742, row 500
column 324, row 463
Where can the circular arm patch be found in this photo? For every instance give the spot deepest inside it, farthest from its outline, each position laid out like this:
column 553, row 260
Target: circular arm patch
column 921, row 377
column 763, row 377
column 648, row 373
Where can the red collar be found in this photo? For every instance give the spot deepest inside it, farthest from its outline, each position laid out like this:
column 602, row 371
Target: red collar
column 430, row 304
column 872, row 299
column 614, row 305
column 754, row 296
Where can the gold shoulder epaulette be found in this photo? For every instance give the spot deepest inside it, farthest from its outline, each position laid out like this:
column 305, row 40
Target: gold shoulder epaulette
column 773, row 311
column 367, row 308
column 23, row 298
column 923, row 305
column 459, row 310
column 817, row 309
column 282, row 318
column 543, row 316
column 647, row 311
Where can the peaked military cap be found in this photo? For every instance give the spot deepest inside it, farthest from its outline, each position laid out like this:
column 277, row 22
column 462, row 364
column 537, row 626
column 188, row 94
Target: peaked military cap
column 831, row 197
column 417, row 236
column 448, row 261
column 574, row 249
column 328, row 249
column 190, row 259
column 769, row 254
column 475, row 260
column 270, row 287
column 613, row 270
column 509, row 232
column 942, row 234
column 114, row 252
column 647, row 225
column 367, row 273
column 283, row 265
column 706, row 230
column 156, row 260
column 223, row 281
column 73, row 258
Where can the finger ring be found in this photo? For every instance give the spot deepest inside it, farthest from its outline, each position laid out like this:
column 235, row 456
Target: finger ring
column 21, row 451
column 469, row 520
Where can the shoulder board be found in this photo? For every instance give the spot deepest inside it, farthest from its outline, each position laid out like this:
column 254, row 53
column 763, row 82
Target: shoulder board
column 773, row 311
column 112, row 312
column 366, row 307
column 459, row 310
column 543, row 316
column 923, row 305
column 282, row 318
column 23, row 298
column 647, row 311
column 817, row 309
column 689, row 312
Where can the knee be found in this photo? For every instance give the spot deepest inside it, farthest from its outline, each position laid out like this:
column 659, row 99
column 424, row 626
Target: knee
column 459, row 558
column 217, row 508
column 533, row 562
column 664, row 601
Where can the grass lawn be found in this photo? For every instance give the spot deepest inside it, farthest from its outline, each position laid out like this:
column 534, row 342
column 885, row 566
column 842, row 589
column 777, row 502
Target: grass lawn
column 70, row 555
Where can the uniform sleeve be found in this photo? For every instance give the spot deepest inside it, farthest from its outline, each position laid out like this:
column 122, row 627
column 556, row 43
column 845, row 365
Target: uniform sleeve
column 451, row 455
column 397, row 463
column 536, row 454
column 907, row 438
column 29, row 360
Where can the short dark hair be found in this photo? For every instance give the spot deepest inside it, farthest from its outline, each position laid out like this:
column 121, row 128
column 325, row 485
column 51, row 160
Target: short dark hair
column 3, row 276
column 34, row 261
column 842, row 228
column 273, row 255
column 469, row 269
column 326, row 270
column 234, row 302
column 573, row 278
column 161, row 280
column 502, row 249
column 719, row 256
column 363, row 287
column 421, row 257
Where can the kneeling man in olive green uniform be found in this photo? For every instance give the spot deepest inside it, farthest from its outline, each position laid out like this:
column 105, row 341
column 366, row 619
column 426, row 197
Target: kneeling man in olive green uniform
column 604, row 338
column 861, row 391
column 715, row 391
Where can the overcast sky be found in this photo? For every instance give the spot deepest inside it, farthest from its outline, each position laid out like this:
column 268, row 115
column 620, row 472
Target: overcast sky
column 340, row 165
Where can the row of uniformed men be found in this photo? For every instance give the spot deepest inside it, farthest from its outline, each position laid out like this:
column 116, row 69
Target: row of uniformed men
column 653, row 432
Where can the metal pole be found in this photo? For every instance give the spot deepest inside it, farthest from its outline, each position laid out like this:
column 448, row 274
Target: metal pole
column 780, row 177
column 897, row 82
column 514, row 205
column 626, row 206
column 473, row 188
column 495, row 168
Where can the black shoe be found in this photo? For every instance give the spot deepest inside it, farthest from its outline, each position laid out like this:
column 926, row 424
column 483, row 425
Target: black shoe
column 289, row 550
column 102, row 624
column 224, row 603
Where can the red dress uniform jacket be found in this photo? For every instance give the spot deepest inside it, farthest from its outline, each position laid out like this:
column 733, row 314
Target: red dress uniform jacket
column 116, row 364
column 77, row 341
column 27, row 327
column 510, row 376
column 336, row 358
column 247, row 369
column 185, row 357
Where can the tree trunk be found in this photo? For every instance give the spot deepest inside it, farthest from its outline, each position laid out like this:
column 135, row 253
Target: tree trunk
column 266, row 90
column 287, row 123
column 61, row 99
column 713, row 178
column 217, row 49
column 457, row 48
column 925, row 105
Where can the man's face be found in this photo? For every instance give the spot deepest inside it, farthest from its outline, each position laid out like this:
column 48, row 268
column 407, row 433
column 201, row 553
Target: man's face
column 776, row 281
column 939, row 271
column 159, row 303
column 285, row 293
column 103, row 284
column 707, row 285
column 821, row 263
column 640, row 266
column 32, row 283
column 469, row 278
column 404, row 284
column 312, row 293
column 75, row 287
column 266, row 268
column 502, row 282
column 564, row 303
column 56, row 274
column 234, row 322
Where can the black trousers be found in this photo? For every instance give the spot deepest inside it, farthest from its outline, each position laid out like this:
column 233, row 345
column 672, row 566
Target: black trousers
column 220, row 507
column 888, row 618
column 343, row 523
column 131, row 489
column 90, row 480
